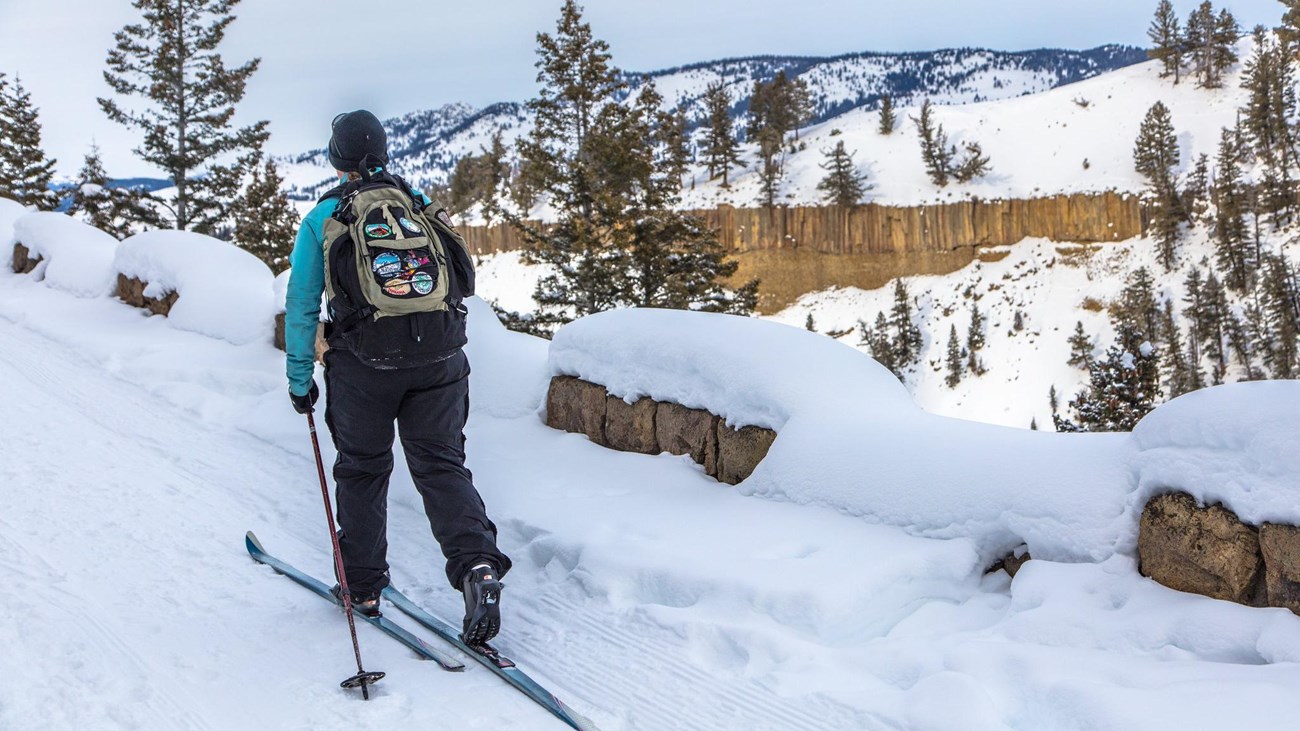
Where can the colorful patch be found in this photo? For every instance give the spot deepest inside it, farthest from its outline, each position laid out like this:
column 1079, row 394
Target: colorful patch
column 397, row 287
column 415, row 261
column 441, row 215
column 378, row 231
column 406, row 224
column 423, row 283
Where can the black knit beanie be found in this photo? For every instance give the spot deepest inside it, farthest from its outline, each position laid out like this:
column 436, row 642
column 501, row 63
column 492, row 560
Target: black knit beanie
column 355, row 135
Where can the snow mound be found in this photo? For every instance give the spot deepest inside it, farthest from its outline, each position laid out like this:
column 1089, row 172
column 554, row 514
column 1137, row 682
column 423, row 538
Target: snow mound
column 225, row 292
column 78, row 258
column 507, row 369
column 281, row 289
column 10, row 212
column 750, row 372
column 850, row 438
column 1236, row 444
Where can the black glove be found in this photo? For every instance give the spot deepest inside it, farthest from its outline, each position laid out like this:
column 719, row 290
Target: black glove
column 304, row 404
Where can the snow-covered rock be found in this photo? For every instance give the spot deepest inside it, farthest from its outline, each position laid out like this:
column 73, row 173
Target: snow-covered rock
column 75, row 256
column 225, row 292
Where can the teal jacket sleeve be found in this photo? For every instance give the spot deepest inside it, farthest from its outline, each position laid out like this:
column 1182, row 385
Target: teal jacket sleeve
column 302, row 301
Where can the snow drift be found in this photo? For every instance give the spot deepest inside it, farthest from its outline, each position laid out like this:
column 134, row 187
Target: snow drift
column 76, row 257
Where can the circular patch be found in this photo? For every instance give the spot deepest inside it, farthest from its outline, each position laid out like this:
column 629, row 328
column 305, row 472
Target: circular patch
column 422, row 282
column 388, row 270
column 397, row 287
column 386, row 259
column 406, row 224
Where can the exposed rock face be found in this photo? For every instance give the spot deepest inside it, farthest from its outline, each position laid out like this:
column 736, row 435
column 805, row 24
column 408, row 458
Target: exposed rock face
column 649, row 427
column 23, row 261
column 740, row 451
column 1280, row 546
column 680, row 430
column 131, row 291
column 1200, row 550
column 631, row 427
column 574, row 405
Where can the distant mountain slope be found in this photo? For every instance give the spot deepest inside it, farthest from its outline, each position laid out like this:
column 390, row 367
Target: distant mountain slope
column 426, row 144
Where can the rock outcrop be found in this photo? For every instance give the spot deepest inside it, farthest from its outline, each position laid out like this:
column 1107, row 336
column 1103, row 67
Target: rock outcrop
column 1280, row 548
column 131, row 291
column 23, row 262
column 1203, row 550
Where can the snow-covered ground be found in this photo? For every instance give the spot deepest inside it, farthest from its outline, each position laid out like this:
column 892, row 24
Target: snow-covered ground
column 841, row 587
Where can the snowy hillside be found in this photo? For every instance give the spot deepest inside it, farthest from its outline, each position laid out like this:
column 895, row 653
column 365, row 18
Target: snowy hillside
column 841, row 587
column 426, row 145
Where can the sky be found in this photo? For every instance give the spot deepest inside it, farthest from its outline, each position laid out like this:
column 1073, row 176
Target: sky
column 320, row 58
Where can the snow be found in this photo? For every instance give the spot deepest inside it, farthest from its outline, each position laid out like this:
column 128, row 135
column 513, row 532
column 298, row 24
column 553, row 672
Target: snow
column 643, row 593
column 225, row 292
column 76, row 257
column 1237, row 444
column 10, row 211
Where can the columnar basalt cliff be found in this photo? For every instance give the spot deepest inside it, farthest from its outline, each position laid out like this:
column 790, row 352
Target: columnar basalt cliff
column 796, row 250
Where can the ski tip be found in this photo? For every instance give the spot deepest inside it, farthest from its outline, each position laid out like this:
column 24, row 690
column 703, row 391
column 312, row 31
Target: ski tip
column 252, row 544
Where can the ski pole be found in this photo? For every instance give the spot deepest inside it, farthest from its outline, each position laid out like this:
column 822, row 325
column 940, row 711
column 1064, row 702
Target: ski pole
column 362, row 678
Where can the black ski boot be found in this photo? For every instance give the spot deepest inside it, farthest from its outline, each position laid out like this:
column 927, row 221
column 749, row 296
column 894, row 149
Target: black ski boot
column 368, row 606
column 482, row 604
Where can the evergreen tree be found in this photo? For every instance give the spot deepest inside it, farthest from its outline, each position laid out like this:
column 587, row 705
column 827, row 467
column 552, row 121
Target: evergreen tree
column 887, row 117
column 116, row 211
column 1155, row 155
column 881, row 345
column 618, row 239
column 1123, row 387
column 675, row 138
column 1138, row 306
column 907, row 338
column 1080, row 347
column 810, row 324
column 721, row 150
column 188, row 96
column 1166, row 40
column 973, row 164
column 955, row 363
column 975, row 340
column 1178, row 376
column 1289, row 30
column 935, row 152
column 843, row 185
column 1197, row 191
column 1198, row 37
column 1233, row 250
column 1214, row 325
column 1226, row 34
column 1193, row 308
column 25, row 172
column 1281, row 309
column 264, row 220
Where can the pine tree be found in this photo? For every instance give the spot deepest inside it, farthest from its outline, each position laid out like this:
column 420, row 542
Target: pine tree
column 25, row 172
column 1138, row 306
column 935, row 152
column 1281, row 309
column 116, row 211
column 843, row 185
column 907, row 339
column 1123, row 387
column 881, row 345
column 264, row 219
column 1197, row 191
column 187, row 102
column 1289, row 30
column 721, row 150
column 975, row 340
column 1080, row 347
column 1178, row 378
column 1213, row 324
column 1233, row 250
column 1167, row 40
column 618, row 239
column 1155, row 155
column 954, row 360
column 887, row 117
column 810, row 324
column 1226, row 34
column 675, row 138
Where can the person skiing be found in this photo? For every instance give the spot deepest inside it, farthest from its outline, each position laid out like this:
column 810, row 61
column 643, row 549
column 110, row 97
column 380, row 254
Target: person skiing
column 395, row 334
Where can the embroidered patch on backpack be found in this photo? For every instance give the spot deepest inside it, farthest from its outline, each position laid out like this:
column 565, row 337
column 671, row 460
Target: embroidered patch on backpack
column 378, row 231
column 409, row 226
column 441, row 215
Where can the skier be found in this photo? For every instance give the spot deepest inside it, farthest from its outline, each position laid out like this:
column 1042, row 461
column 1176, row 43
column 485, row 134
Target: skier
column 383, row 367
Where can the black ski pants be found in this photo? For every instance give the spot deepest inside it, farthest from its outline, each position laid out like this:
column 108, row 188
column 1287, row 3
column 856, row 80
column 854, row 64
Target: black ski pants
column 430, row 405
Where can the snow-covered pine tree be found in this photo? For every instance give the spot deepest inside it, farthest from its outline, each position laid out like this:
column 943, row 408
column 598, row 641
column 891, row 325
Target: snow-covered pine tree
column 842, row 185
column 1167, row 40
column 721, row 150
column 1123, row 386
column 1138, row 305
column 954, row 361
column 1213, row 324
column 1198, row 37
column 264, row 219
column 1223, row 54
column 187, row 95
column 1178, row 376
column 1289, row 29
column 1080, row 347
column 973, row 164
column 887, row 116
column 674, row 136
column 1234, row 252
column 876, row 338
column 935, row 152
column 25, row 171
column 975, row 341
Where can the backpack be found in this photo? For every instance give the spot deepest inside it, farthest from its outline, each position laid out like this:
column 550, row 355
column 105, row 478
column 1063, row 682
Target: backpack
column 396, row 274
